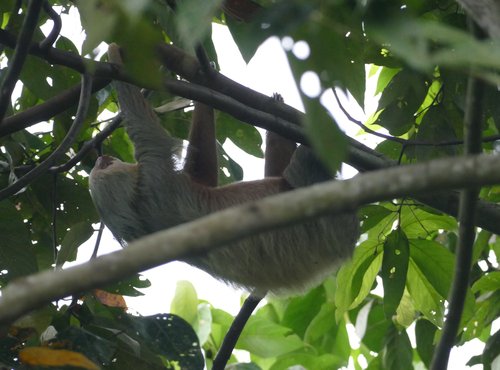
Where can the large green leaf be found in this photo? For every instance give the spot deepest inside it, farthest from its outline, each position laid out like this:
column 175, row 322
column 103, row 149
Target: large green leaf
column 424, row 334
column 301, row 310
column 397, row 352
column 267, row 339
column 394, row 269
column 75, row 236
column 355, row 278
column 185, row 302
column 329, row 142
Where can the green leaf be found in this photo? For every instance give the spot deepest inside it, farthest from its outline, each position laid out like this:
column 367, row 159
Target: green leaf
column 247, row 40
column 394, row 269
column 371, row 325
column 385, row 77
column 185, row 302
column 372, row 215
column 320, row 324
column 400, row 101
column 221, row 321
column 425, row 333
column 435, row 261
column 17, row 254
column 168, row 336
column 268, row 339
column 437, row 125
column 486, row 311
column 327, row 336
column 98, row 349
column 390, row 149
column 418, row 223
column 128, row 286
column 98, row 21
column 309, row 361
column 194, row 19
column 429, row 279
column 481, row 245
column 491, row 350
column 355, row 278
column 246, row 137
column 243, row 366
column 76, row 236
column 301, row 310
column 204, row 324
column 231, row 170
column 487, row 283
column 406, row 313
column 397, row 352
column 328, row 141
column 423, row 44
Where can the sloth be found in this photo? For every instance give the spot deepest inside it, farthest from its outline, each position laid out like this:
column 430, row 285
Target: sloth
column 155, row 194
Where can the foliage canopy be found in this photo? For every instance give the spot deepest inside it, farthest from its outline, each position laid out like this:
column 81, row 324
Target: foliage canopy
column 421, row 54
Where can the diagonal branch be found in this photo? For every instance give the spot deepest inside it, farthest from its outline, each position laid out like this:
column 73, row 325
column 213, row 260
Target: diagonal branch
column 221, row 228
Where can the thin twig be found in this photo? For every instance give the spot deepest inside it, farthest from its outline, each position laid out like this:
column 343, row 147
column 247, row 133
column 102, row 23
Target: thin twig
column 363, row 126
column 56, row 29
column 97, row 241
column 54, row 216
column 89, row 145
column 20, row 53
column 487, row 139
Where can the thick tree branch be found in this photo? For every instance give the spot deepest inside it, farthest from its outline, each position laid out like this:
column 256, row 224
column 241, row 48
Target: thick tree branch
column 61, row 57
column 189, row 68
column 26, row 294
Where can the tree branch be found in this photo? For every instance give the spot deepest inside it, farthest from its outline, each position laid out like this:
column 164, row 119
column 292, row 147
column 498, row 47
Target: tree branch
column 21, row 51
column 48, row 109
column 473, row 121
column 221, row 228
column 56, row 29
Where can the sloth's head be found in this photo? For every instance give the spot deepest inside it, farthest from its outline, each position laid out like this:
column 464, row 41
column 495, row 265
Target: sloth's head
column 112, row 184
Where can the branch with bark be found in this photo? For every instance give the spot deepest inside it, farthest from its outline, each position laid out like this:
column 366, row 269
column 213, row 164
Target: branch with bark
column 23, row 295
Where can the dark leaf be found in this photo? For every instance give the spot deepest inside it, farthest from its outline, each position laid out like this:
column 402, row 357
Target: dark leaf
column 17, row 253
column 397, row 353
column 425, row 333
column 394, row 269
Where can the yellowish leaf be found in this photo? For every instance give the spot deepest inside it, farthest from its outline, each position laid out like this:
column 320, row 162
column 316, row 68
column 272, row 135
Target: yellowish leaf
column 44, row 356
column 110, row 299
